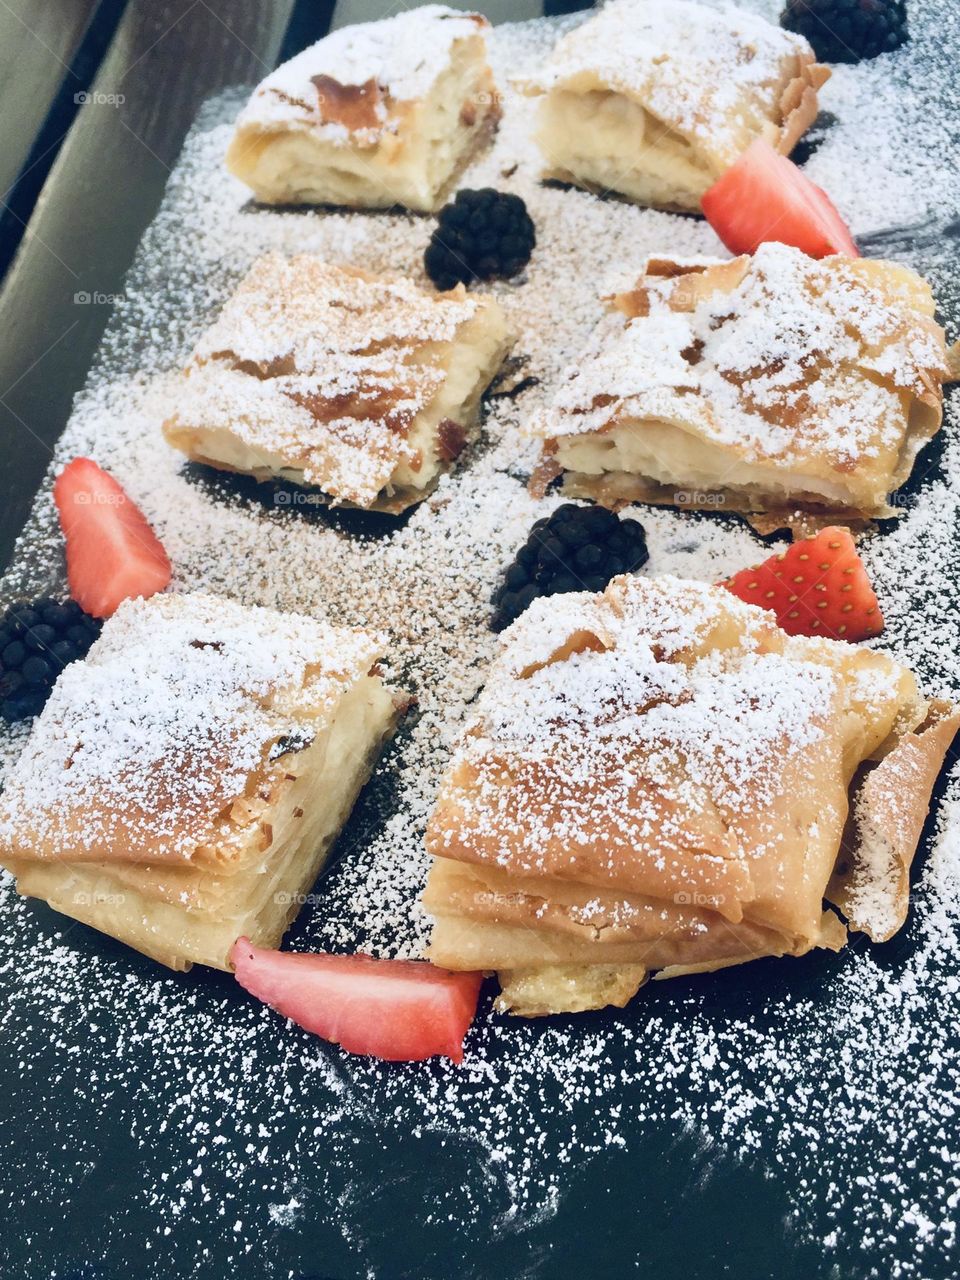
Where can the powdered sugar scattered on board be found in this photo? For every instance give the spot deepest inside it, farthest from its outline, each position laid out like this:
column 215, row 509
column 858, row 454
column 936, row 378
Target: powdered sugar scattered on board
column 838, row 1075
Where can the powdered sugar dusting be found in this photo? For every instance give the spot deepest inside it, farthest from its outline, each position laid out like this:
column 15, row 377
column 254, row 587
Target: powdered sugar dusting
column 324, row 370
column 402, row 56
column 710, row 72
column 146, row 744
column 624, row 745
column 834, row 1078
column 791, row 362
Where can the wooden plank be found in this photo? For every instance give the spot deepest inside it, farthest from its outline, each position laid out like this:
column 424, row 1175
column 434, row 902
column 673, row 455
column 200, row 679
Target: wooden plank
column 348, row 11
column 166, row 58
column 39, row 42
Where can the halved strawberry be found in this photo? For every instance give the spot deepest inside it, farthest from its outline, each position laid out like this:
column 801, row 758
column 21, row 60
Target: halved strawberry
column 764, row 196
column 112, row 553
column 817, row 587
column 399, row 1010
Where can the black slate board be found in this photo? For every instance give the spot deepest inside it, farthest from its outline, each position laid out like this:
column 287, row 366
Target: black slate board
column 80, row 1140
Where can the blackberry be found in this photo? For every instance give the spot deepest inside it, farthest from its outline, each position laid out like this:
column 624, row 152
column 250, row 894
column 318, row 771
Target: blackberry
column 848, row 30
column 482, row 234
column 574, row 549
column 37, row 640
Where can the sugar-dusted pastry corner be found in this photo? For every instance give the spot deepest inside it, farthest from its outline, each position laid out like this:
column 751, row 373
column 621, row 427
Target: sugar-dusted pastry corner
column 185, row 781
column 655, row 100
column 364, row 387
column 379, row 114
column 657, row 781
column 765, row 385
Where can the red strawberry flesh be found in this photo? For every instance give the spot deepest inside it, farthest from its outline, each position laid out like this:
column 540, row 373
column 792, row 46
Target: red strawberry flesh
column 112, row 553
column 398, row 1010
column 764, row 196
column 817, row 587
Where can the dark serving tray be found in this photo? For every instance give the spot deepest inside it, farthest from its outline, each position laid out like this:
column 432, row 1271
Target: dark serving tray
column 791, row 1119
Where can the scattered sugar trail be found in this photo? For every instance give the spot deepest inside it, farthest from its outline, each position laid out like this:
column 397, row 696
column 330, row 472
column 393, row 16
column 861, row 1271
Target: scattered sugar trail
column 836, row 1075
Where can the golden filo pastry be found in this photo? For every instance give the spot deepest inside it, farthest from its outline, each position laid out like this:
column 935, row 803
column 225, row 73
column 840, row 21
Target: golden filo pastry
column 766, row 385
column 365, row 388
column 373, row 115
column 658, row 779
column 185, row 781
column 655, row 100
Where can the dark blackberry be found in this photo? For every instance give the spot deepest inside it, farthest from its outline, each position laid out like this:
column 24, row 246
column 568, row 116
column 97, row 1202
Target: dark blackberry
column 574, row 549
column 848, row 30
column 37, row 640
column 482, row 234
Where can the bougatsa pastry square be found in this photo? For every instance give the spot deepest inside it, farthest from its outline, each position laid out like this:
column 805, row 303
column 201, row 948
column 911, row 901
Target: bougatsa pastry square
column 659, row 779
column 761, row 384
column 654, row 100
column 185, row 780
column 378, row 114
column 364, row 387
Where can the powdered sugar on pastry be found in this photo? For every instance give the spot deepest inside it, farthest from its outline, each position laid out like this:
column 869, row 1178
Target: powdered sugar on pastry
column 826, row 1088
column 655, row 100
column 779, row 344
column 809, row 373
column 143, row 747
column 398, row 58
column 314, row 318
column 648, row 690
column 706, row 72
column 665, row 740
column 372, row 116
column 332, row 377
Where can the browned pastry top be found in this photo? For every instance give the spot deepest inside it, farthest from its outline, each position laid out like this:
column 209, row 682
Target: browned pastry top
column 326, row 367
column 666, row 739
column 819, row 368
column 359, row 82
column 717, row 77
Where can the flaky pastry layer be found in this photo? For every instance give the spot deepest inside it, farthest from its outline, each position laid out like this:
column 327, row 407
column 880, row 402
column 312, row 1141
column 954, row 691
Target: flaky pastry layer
column 378, row 114
column 769, row 385
column 658, row 779
column 655, row 101
column 364, row 388
column 184, row 785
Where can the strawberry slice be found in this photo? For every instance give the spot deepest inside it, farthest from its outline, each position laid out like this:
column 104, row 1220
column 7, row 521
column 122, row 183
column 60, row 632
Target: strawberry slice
column 398, row 1010
column 112, row 553
column 817, row 587
column 764, row 196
